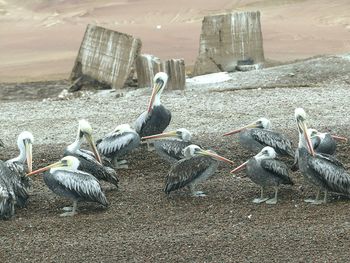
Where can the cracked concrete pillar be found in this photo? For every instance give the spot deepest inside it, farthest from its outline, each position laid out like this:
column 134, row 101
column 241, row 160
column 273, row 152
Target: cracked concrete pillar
column 227, row 40
column 105, row 57
column 175, row 68
column 146, row 67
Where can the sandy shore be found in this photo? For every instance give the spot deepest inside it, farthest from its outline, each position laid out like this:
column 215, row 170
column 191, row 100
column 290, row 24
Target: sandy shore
column 40, row 39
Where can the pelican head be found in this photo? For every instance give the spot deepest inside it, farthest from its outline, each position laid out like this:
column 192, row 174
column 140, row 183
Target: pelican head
column 304, row 138
column 194, row 150
column 181, row 133
column 25, row 142
column 261, row 123
column 85, row 127
column 159, row 82
column 266, row 153
column 85, row 130
column 67, row 163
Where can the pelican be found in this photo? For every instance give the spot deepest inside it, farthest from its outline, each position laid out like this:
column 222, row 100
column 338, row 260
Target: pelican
column 169, row 145
column 321, row 170
column 17, row 178
column 197, row 166
column 2, row 143
column 157, row 117
column 14, row 184
column 90, row 162
column 322, row 142
column 258, row 134
column 122, row 140
column 64, row 179
column 265, row 171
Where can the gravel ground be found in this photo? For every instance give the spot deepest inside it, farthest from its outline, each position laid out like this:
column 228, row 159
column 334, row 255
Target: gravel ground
column 144, row 225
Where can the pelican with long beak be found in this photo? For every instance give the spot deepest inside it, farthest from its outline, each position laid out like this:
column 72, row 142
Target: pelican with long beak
column 197, row 166
column 258, row 134
column 64, row 179
column 265, row 171
column 17, row 178
column 169, row 145
column 323, row 171
column 90, row 162
column 156, row 118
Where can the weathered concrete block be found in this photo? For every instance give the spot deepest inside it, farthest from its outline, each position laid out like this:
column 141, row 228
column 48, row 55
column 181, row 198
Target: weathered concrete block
column 146, row 67
column 106, row 56
column 226, row 39
column 175, row 68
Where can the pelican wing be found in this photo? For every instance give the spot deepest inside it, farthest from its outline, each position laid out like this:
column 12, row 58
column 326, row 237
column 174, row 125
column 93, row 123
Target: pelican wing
column 113, row 142
column 276, row 140
column 333, row 177
column 278, row 168
column 173, row 148
column 185, row 171
column 7, row 195
column 140, row 121
column 82, row 184
column 20, row 183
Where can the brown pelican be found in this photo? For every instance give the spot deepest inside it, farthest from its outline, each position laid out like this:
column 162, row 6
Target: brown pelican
column 265, row 171
column 258, row 134
column 157, row 117
column 14, row 184
column 169, row 145
column 118, row 143
column 322, row 143
column 64, row 179
column 197, row 166
column 323, row 171
column 90, row 162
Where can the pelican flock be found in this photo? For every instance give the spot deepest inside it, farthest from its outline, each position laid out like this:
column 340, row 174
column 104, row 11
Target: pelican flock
column 78, row 174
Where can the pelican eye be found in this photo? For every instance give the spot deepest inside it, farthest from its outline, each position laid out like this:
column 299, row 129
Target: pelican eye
column 64, row 162
column 160, row 81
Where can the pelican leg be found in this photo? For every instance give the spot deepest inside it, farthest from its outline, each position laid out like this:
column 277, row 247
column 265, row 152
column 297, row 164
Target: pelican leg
column 273, row 201
column 262, row 198
column 150, row 146
column 325, row 196
column 315, row 201
column 122, row 164
column 73, row 212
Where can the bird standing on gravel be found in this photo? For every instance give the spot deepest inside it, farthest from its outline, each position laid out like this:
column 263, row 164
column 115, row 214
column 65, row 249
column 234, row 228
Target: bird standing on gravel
column 14, row 184
column 121, row 141
column 65, row 180
column 258, row 134
column 157, row 118
column 169, row 145
column 321, row 170
column 90, row 162
column 197, row 166
column 265, row 171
